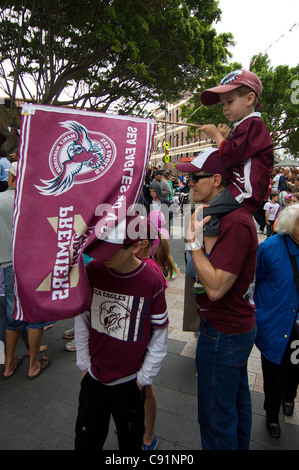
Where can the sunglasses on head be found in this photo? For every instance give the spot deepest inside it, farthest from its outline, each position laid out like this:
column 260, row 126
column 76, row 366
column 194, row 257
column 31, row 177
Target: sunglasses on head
column 195, row 178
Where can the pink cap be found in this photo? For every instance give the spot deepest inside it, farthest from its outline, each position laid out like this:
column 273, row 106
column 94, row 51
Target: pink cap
column 232, row 81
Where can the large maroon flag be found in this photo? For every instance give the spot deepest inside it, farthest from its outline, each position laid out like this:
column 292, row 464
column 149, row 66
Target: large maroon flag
column 78, row 173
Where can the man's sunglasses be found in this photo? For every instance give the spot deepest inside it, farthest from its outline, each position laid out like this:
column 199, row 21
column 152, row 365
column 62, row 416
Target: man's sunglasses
column 195, row 178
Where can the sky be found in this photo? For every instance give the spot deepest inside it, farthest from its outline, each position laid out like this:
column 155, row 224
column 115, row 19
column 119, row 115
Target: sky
column 257, row 26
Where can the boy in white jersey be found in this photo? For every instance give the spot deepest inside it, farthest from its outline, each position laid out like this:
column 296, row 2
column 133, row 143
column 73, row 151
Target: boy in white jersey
column 122, row 341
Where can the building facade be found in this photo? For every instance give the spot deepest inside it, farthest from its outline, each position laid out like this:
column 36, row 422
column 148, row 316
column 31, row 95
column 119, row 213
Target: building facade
column 183, row 141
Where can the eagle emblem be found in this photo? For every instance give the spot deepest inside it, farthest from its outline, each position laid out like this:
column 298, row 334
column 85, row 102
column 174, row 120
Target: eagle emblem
column 78, row 156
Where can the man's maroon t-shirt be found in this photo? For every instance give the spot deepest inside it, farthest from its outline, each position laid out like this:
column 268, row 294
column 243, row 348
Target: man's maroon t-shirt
column 234, row 251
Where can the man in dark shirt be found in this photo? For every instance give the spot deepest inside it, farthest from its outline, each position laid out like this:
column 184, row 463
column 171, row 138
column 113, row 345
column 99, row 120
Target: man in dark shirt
column 227, row 327
column 284, row 178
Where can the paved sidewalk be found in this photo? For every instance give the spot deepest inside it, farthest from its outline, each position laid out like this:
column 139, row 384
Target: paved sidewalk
column 41, row 414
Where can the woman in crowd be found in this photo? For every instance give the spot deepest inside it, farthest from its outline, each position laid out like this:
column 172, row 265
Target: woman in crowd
column 277, row 305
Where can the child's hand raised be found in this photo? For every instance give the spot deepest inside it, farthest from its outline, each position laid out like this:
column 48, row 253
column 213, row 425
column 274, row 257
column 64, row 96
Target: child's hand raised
column 224, row 130
column 213, row 132
column 209, row 129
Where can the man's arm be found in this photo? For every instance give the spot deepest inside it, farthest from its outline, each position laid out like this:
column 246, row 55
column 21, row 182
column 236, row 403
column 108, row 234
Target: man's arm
column 215, row 281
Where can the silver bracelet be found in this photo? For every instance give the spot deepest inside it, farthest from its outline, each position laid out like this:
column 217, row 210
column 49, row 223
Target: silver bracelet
column 192, row 246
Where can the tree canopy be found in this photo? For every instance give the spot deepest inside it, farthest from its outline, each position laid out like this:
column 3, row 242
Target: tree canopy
column 279, row 98
column 107, row 54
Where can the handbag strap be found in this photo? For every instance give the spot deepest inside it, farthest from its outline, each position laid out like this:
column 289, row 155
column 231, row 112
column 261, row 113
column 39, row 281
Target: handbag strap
column 294, row 264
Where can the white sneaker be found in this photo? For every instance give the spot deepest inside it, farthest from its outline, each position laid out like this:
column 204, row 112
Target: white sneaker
column 69, row 334
column 70, row 346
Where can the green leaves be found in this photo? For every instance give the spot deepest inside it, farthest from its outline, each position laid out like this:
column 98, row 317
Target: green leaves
column 153, row 48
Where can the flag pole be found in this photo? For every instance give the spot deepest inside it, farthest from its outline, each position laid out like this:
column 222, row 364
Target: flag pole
column 178, row 123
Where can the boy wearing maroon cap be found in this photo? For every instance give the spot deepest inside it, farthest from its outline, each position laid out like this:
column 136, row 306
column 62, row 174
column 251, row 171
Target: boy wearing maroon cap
column 122, row 341
column 248, row 149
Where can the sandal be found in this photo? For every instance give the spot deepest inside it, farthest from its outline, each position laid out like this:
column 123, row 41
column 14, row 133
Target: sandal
column 19, row 361
column 45, row 362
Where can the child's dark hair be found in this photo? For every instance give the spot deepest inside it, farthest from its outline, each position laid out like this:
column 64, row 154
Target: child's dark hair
column 273, row 194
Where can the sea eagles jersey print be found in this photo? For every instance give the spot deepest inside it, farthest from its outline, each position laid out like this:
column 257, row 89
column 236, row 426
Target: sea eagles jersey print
column 119, row 316
column 124, row 311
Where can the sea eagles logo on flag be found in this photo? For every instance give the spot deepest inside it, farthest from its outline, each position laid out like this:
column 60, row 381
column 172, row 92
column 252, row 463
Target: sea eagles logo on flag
column 79, row 172
column 77, row 156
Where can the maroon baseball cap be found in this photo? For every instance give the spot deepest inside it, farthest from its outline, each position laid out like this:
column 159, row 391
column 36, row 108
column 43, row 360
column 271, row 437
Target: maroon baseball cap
column 232, row 81
column 207, row 160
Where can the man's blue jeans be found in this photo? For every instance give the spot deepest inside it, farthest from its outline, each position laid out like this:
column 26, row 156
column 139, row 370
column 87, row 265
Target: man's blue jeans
column 224, row 402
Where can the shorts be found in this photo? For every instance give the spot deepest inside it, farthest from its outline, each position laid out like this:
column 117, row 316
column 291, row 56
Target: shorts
column 11, row 323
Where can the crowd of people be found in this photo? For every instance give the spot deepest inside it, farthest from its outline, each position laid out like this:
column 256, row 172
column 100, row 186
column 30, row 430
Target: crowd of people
column 121, row 341
column 283, row 190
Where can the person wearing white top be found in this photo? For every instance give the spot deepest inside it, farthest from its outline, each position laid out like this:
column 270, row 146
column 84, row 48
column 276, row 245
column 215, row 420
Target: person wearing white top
column 271, row 211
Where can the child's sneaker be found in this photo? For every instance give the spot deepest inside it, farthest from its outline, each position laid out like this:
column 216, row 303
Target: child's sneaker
column 198, row 288
column 152, row 446
column 71, row 346
column 69, row 334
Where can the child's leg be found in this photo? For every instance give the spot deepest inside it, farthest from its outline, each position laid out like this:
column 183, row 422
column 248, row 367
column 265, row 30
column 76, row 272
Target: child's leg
column 272, row 223
column 93, row 418
column 150, row 407
column 209, row 243
column 128, row 413
column 269, row 229
column 221, row 204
